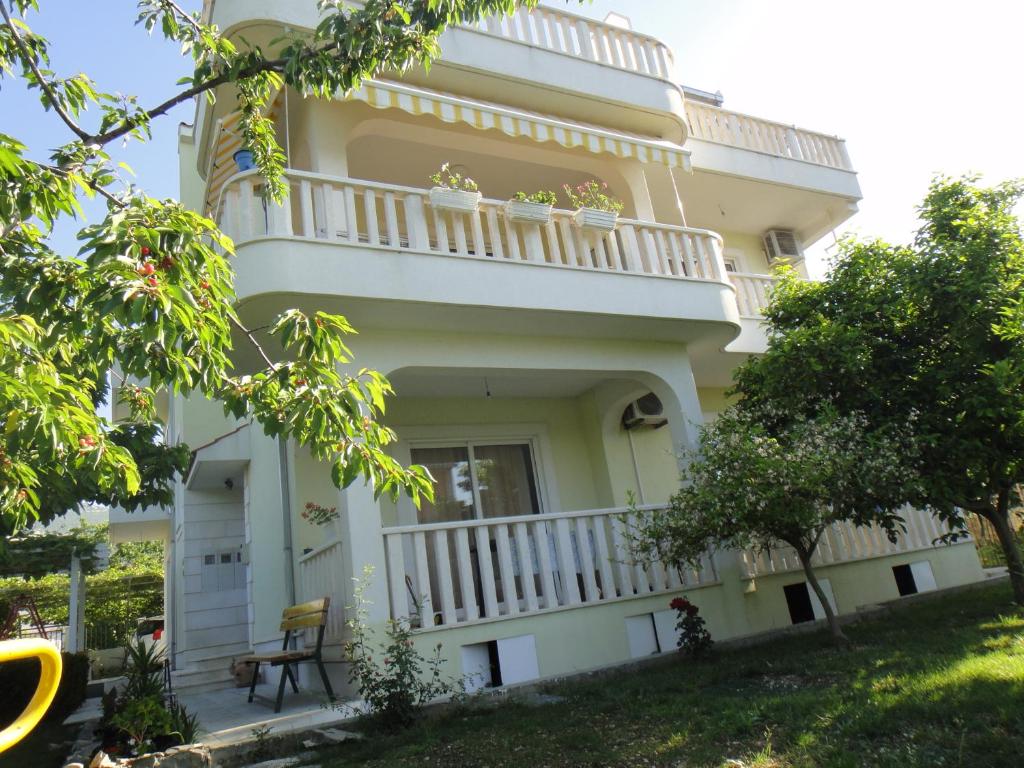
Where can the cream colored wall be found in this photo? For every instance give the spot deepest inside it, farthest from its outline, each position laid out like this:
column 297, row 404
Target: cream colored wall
column 713, row 400
column 747, row 251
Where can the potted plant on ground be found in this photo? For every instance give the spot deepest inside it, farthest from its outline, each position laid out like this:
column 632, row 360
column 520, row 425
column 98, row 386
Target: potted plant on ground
column 534, row 208
column 454, row 192
column 595, row 208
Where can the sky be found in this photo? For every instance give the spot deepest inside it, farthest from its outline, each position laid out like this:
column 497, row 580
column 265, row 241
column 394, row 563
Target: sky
column 916, row 87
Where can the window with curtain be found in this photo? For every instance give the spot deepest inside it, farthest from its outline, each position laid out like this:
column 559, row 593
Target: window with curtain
column 479, row 480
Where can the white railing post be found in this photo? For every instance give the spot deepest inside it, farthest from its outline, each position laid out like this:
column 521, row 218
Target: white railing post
column 416, row 222
column 279, row 215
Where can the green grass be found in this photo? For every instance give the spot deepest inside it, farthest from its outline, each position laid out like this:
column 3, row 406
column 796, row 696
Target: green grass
column 936, row 684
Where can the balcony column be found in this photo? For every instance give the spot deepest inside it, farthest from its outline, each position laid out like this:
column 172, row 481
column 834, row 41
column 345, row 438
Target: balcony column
column 363, row 546
column 633, row 173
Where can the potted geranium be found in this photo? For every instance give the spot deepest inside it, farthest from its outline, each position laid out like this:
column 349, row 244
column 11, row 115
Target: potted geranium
column 454, row 192
column 533, row 208
column 595, row 208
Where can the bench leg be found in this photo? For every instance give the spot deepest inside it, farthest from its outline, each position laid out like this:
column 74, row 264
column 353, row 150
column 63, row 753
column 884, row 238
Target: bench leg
column 280, row 688
column 255, row 677
column 327, row 682
column 291, row 678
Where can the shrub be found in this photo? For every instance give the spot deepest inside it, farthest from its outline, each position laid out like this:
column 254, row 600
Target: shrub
column 18, row 681
column 399, row 681
column 544, row 197
column 592, row 194
column 694, row 638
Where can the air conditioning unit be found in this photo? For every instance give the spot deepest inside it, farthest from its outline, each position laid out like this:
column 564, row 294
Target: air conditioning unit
column 645, row 412
column 782, row 247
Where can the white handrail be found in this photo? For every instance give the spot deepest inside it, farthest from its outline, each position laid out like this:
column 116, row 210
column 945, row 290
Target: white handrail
column 481, row 570
column 723, row 126
column 375, row 215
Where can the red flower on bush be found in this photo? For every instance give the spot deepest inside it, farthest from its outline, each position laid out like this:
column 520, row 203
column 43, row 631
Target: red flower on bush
column 679, row 604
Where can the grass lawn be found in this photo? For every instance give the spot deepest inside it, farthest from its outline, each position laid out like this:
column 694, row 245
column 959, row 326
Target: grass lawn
column 936, row 684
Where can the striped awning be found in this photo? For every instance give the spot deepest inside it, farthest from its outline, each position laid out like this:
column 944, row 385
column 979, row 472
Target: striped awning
column 485, row 116
column 383, row 94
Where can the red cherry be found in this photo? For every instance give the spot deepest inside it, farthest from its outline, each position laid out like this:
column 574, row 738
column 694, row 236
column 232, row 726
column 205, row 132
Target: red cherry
column 300, row 382
column 152, row 281
column 87, row 441
column 147, row 269
column 145, row 250
column 204, row 285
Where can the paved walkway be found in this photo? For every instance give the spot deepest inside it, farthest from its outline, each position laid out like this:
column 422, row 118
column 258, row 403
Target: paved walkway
column 226, row 718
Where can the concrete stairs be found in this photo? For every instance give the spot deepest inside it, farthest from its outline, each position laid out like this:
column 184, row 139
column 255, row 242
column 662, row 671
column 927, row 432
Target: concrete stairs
column 207, row 670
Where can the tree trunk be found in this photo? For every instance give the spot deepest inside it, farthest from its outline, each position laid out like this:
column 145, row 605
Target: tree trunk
column 805, row 556
column 1000, row 519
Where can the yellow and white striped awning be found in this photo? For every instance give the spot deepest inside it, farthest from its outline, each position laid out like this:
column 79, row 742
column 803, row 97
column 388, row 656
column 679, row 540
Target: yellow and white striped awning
column 384, row 94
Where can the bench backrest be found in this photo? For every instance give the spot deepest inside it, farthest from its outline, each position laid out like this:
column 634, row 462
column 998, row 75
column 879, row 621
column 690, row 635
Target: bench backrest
column 306, row 615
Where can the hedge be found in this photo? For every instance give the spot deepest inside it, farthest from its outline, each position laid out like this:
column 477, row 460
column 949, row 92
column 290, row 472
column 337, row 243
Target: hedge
column 18, row 680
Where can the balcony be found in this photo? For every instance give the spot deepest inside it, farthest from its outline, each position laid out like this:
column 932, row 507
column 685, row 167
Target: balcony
column 477, row 570
column 583, row 38
column 396, row 246
column 714, row 124
column 845, row 543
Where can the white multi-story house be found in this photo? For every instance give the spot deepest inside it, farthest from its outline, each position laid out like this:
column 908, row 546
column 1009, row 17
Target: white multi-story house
column 543, row 371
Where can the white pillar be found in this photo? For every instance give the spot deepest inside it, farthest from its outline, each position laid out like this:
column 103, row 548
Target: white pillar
column 363, row 544
column 75, row 640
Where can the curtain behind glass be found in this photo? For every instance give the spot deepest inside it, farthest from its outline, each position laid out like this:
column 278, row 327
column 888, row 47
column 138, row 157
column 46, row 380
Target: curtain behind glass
column 506, row 480
column 453, row 489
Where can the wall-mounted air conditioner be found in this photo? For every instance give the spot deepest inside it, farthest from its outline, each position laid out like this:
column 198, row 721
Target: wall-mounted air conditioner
column 782, row 247
column 647, row 411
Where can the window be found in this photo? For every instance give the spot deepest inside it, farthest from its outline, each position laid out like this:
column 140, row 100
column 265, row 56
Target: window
column 479, row 480
column 730, row 265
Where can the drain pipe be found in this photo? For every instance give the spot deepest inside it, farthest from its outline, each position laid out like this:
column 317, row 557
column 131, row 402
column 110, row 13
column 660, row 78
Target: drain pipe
column 286, row 515
column 636, row 468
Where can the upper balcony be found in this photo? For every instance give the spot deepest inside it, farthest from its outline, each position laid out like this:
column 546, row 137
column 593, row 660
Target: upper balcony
column 389, row 257
column 547, row 60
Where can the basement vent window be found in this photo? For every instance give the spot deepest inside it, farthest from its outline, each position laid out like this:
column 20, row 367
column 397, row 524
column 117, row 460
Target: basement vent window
column 914, row 577
column 495, row 663
column 804, row 605
column 651, row 633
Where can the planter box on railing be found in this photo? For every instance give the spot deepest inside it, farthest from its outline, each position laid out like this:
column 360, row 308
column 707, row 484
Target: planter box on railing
column 454, row 200
column 528, row 213
column 595, row 220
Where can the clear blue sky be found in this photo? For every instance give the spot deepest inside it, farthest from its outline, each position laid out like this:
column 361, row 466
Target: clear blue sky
column 915, row 86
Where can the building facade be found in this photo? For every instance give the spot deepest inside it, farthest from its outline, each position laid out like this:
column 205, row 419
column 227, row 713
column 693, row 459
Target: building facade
column 545, row 371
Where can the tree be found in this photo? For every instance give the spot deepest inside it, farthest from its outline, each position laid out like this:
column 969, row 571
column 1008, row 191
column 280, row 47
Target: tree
column 150, row 293
column 928, row 336
column 752, row 486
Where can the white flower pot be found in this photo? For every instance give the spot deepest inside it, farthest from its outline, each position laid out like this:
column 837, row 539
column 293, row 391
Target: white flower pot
column 531, row 213
column 593, row 219
column 454, row 200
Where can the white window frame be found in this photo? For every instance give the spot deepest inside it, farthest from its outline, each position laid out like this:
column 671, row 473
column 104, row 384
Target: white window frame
column 466, row 436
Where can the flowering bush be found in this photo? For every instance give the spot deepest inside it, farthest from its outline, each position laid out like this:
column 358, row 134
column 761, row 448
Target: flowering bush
column 394, row 680
column 694, row 638
column 545, row 197
column 592, row 194
column 448, row 179
column 318, row 515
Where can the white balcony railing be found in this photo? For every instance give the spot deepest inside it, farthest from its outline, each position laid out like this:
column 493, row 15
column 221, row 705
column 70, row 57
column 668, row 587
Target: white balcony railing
column 738, row 130
column 321, row 574
column 843, row 543
column 389, row 217
column 456, row 573
column 752, row 292
column 584, row 38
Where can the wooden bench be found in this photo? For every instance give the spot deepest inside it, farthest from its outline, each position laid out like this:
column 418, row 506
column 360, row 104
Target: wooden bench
column 299, row 617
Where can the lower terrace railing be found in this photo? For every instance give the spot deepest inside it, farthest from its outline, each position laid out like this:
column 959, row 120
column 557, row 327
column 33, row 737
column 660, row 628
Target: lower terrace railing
column 401, row 218
column 738, row 130
column 321, row 574
column 456, row 573
column 843, row 543
column 752, row 292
